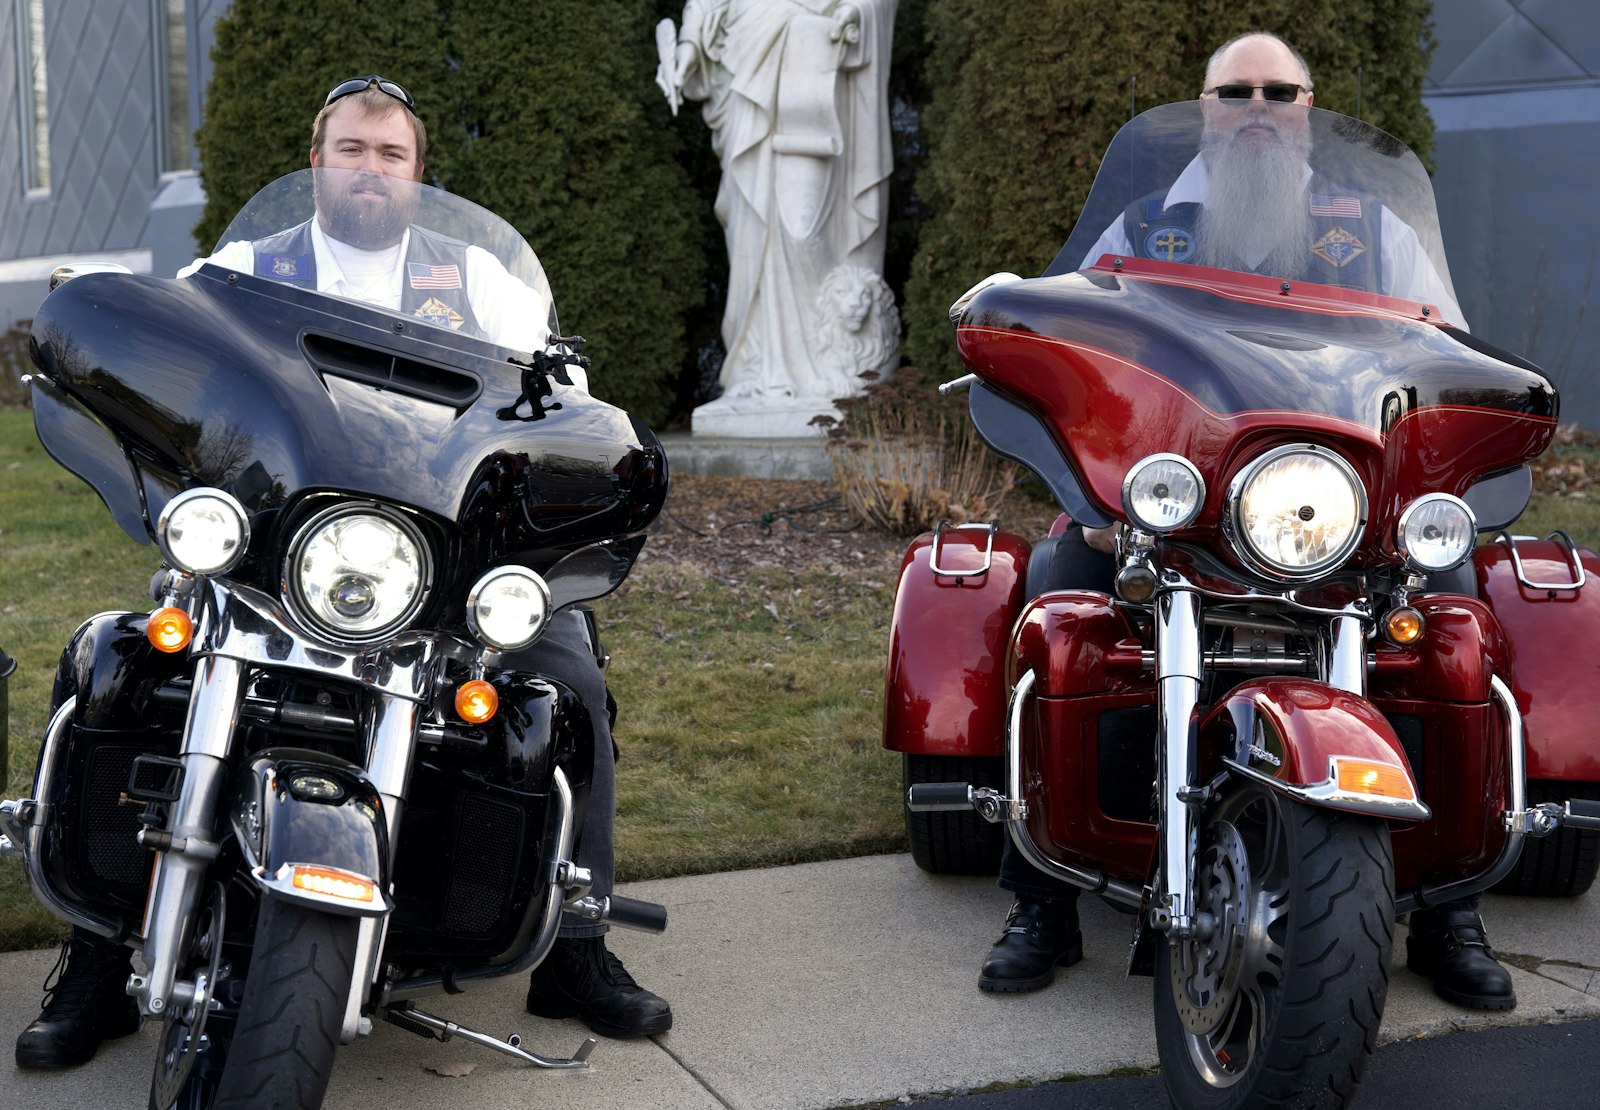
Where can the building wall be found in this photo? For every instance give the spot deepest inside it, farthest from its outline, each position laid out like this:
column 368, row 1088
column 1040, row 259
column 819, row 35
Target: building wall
column 108, row 197
column 1515, row 98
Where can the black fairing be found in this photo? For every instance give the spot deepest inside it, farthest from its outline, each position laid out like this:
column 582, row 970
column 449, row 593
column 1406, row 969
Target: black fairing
column 273, row 393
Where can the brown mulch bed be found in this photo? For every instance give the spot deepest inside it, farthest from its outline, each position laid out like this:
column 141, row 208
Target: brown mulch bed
column 732, row 525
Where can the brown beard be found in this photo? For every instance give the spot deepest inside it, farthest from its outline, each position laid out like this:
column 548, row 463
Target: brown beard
column 1256, row 215
column 364, row 224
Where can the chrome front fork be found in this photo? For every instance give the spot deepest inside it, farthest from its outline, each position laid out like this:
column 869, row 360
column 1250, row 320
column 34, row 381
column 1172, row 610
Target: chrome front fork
column 180, row 868
column 1178, row 696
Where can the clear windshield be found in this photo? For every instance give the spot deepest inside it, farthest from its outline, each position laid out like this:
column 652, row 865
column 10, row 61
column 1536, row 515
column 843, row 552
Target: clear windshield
column 1277, row 190
column 400, row 246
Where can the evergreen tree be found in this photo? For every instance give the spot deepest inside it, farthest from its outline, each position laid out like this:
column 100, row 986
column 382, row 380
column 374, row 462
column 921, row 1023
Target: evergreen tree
column 1024, row 99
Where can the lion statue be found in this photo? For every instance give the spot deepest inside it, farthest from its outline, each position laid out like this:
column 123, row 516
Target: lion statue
column 860, row 330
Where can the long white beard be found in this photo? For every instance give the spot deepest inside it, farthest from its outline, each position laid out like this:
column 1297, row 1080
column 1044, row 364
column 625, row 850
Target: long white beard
column 1256, row 215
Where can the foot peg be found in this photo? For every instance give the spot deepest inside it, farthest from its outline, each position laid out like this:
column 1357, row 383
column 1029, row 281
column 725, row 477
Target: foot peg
column 413, row 1020
column 1544, row 819
column 629, row 913
column 944, row 797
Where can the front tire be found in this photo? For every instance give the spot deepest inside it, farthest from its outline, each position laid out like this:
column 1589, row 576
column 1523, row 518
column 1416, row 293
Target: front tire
column 280, row 1052
column 1281, row 1006
column 951, row 843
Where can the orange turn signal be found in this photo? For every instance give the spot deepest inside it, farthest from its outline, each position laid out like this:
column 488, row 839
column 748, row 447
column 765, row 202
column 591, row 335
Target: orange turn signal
column 1403, row 625
column 334, row 883
column 477, row 701
column 169, row 630
column 1383, row 780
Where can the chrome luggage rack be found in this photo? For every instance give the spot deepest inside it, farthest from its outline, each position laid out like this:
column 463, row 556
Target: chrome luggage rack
column 1574, row 561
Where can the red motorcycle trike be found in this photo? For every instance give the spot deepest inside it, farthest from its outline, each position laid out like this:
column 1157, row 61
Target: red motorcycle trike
column 1311, row 702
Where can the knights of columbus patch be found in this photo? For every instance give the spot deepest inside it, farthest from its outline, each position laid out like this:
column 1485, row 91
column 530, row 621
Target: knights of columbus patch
column 440, row 315
column 1169, row 244
column 1338, row 246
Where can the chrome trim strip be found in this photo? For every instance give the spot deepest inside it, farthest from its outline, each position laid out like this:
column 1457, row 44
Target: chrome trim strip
column 1329, row 795
column 1578, row 576
column 1345, row 659
column 1096, row 882
column 28, row 839
column 1516, row 756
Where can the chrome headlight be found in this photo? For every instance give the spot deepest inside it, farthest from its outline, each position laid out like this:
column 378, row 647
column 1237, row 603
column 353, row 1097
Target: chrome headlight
column 1297, row 511
column 507, row 607
column 203, row 531
column 1162, row 493
column 358, row 571
column 1436, row 533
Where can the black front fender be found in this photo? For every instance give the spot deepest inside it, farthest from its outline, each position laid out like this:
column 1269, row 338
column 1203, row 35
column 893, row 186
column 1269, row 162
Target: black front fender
column 312, row 830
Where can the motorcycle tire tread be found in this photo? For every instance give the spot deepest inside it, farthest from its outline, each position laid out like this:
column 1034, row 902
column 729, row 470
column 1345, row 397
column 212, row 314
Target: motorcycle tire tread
column 949, row 843
column 1563, row 864
column 293, row 1007
column 1312, row 1060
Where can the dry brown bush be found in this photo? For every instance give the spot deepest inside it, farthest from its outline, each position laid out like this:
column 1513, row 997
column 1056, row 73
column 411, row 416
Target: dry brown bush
column 905, row 458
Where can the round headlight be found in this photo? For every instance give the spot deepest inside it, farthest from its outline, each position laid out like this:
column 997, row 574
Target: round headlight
column 358, row 572
column 507, row 607
column 1297, row 511
column 203, row 531
column 1437, row 532
column 1163, row 492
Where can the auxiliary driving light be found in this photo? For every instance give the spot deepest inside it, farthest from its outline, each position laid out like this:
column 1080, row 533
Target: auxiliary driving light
column 477, row 701
column 1163, row 492
column 1436, row 533
column 507, row 607
column 203, row 531
column 169, row 630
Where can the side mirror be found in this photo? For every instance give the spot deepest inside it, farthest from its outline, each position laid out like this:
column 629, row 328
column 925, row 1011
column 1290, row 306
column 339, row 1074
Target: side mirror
column 66, row 273
column 958, row 308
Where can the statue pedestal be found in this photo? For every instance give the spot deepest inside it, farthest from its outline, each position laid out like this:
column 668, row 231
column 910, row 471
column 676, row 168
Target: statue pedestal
column 762, row 417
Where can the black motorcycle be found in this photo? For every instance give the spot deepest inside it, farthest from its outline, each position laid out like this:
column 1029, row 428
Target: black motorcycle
column 313, row 785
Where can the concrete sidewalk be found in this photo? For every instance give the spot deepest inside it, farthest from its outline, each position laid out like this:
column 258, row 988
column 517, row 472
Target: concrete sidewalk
column 821, row 985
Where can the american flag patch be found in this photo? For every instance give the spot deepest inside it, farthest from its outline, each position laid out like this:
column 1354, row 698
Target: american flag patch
column 1335, row 206
column 433, row 277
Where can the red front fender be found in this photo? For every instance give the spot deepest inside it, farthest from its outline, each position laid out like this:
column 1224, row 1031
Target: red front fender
column 1294, row 734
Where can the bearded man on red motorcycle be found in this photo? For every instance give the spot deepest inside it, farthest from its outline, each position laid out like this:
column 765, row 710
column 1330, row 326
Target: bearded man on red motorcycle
column 362, row 246
column 1250, row 203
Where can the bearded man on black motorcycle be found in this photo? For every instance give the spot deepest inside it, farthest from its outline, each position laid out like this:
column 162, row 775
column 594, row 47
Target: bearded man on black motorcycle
column 1249, row 203
column 362, row 245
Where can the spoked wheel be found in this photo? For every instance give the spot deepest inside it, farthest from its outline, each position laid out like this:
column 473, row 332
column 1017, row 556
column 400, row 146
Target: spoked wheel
column 1280, row 1004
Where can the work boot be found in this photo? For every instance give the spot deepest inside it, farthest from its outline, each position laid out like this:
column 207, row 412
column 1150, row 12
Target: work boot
column 1449, row 947
column 1040, row 935
column 86, row 1003
column 580, row 978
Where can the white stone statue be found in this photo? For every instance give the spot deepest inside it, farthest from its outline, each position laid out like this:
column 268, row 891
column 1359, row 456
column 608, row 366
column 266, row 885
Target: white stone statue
column 796, row 95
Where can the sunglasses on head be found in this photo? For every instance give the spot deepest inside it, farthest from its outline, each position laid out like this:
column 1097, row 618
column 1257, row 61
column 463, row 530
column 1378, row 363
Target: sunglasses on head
column 372, row 81
column 1281, row 93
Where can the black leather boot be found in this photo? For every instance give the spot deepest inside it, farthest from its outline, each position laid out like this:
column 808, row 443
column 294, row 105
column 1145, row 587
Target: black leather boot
column 1449, row 947
column 580, row 978
column 87, row 1003
column 1040, row 935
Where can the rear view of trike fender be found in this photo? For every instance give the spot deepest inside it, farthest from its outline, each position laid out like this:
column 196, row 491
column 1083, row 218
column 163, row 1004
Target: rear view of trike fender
column 1314, row 743
column 959, row 594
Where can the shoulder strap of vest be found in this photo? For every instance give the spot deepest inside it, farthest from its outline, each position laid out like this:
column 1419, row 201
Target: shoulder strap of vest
column 287, row 257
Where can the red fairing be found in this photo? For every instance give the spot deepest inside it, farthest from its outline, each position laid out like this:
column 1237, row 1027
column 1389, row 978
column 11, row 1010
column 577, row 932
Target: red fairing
column 946, row 691
column 1555, row 663
column 1306, row 724
column 1462, row 649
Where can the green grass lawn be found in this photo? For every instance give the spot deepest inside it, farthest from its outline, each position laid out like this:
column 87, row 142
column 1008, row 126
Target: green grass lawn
column 750, row 710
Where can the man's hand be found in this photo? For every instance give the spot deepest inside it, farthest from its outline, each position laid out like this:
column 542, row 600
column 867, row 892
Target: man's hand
column 1102, row 539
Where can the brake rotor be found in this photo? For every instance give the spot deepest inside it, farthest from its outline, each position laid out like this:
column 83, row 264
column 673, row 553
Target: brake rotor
column 1205, row 973
column 184, row 1037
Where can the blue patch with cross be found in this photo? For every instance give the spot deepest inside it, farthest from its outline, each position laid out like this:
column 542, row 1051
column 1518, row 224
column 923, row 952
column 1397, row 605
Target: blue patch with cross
column 1169, row 244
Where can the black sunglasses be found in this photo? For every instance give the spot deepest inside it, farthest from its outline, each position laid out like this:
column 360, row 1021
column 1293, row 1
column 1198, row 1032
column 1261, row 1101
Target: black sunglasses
column 373, row 81
column 1282, row 93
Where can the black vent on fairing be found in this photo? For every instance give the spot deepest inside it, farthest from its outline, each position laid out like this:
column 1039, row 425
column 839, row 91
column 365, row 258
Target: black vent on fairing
column 376, row 366
column 489, row 837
